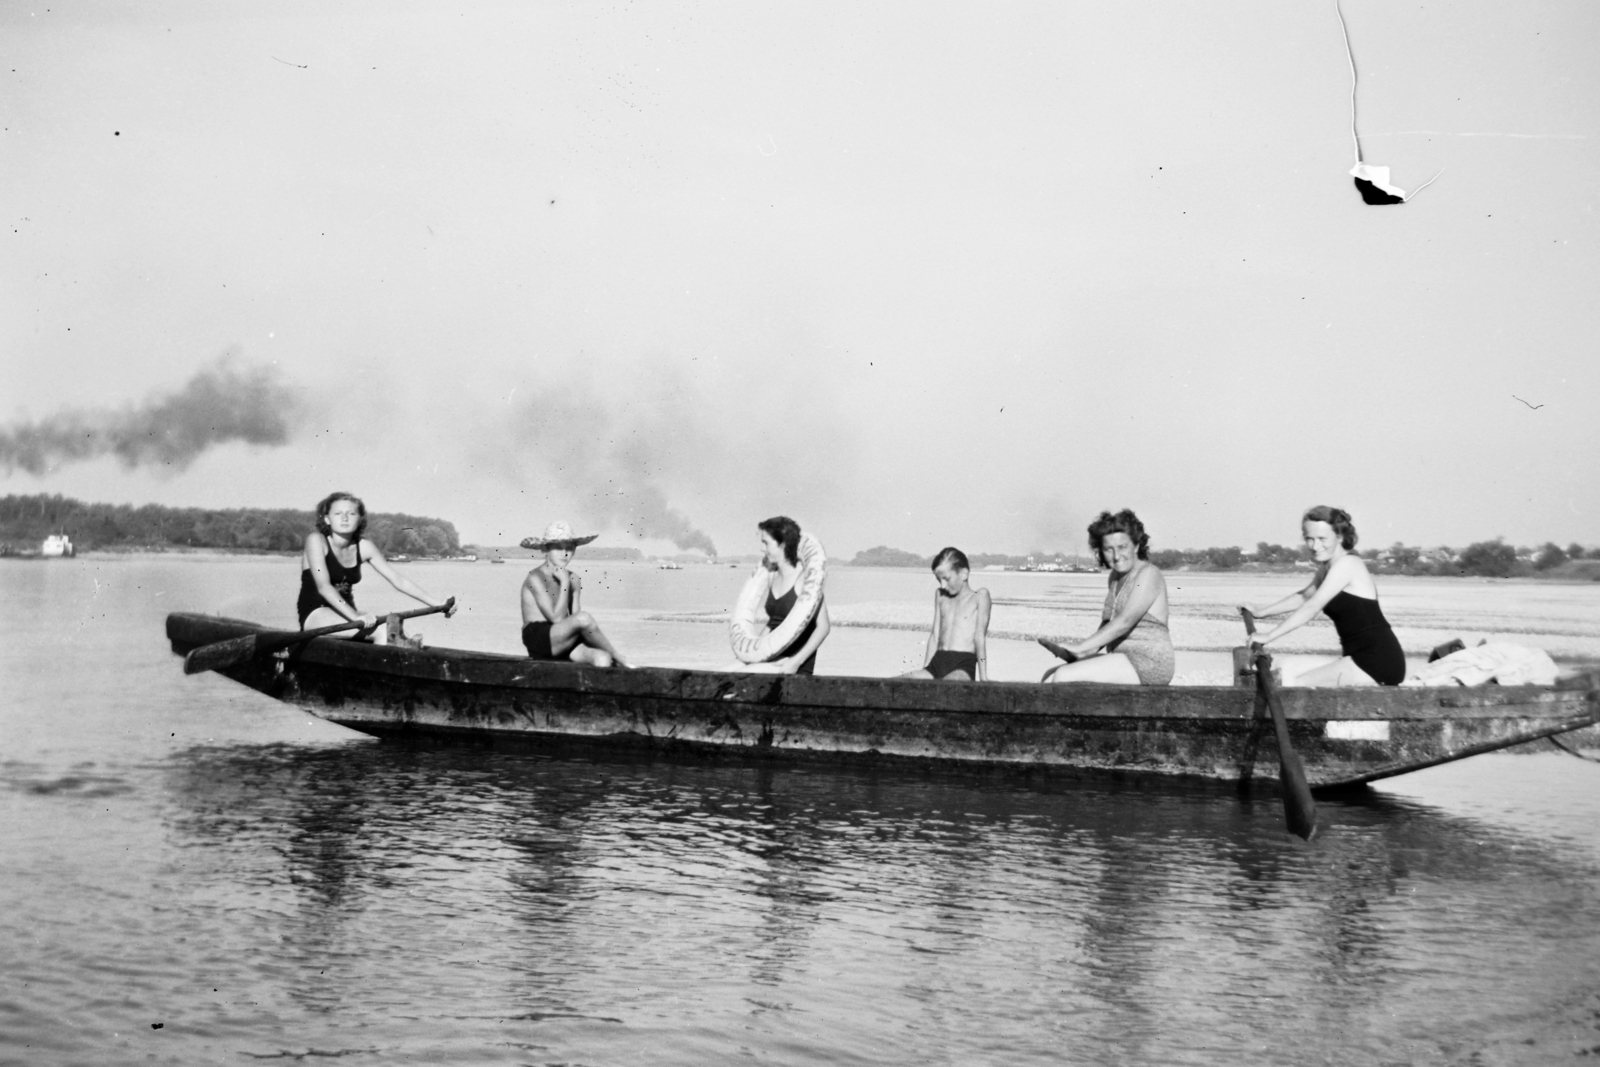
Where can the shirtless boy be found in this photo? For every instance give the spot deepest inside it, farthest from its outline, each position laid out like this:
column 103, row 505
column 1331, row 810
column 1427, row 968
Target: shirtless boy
column 958, row 643
column 554, row 624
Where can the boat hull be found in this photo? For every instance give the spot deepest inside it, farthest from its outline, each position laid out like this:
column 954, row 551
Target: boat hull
column 1343, row 736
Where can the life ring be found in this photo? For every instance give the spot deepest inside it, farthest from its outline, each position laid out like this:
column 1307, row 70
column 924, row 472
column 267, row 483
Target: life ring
column 747, row 627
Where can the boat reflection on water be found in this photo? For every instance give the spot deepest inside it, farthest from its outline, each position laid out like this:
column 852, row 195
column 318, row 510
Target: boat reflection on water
column 699, row 907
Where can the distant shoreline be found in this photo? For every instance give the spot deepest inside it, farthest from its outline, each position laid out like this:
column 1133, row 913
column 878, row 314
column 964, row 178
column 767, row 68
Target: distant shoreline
column 1579, row 572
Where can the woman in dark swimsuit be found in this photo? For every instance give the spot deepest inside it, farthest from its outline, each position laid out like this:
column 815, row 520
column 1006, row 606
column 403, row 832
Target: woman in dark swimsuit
column 780, row 548
column 331, row 566
column 1343, row 589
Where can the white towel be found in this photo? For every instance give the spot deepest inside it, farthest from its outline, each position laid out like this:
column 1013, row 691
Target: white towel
column 1491, row 661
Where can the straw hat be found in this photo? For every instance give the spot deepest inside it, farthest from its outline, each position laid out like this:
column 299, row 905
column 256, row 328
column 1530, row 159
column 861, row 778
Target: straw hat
column 558, row 534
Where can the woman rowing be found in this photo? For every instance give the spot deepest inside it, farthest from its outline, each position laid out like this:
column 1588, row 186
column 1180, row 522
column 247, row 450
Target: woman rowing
column 330, row 567
column 1343, row 589
column 1132, row 644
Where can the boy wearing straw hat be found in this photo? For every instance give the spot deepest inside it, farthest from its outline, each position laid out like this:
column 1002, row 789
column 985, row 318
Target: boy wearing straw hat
column 554, row 624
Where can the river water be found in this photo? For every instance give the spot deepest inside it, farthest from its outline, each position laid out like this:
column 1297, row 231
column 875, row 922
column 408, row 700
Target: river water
column 191, row 873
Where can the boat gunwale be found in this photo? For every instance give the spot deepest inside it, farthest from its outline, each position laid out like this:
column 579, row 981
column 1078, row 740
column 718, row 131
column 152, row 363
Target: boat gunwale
column 1570, row 702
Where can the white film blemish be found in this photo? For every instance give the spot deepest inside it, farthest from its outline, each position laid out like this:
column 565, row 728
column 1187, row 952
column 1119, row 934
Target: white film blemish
column 1357, row 730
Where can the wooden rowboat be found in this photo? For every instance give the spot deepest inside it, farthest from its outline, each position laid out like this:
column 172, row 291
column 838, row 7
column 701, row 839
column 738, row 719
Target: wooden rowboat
column 1344, row 736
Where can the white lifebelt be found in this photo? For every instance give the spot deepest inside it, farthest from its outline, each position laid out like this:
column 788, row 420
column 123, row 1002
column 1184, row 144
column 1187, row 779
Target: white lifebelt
column 747, row 627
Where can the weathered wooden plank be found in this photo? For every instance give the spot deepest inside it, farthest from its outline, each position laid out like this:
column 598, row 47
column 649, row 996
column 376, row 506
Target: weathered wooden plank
column 1343, row 736
column 1211, row 748
column 1193, row 702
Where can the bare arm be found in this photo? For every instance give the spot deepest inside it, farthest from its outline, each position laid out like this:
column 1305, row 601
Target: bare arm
column 370, row 553
column 933, row 634
column 316, row 560
column 1339, row 575
column 1288, row 603
column 980, row 639
column 1145, row 589
column 536, row 597
column 531, row 612
column 791, row 664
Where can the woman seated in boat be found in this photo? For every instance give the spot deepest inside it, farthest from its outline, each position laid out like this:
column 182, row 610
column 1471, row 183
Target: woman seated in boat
column 554, row 624
column 790, row 581
column 1343, row 589
column 331, row 566
column 1132, row 644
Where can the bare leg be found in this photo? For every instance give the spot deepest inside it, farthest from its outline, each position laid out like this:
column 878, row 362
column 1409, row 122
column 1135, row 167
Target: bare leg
column 751, row 668
column 594, row 657
column 958, row 675
column 920, row 672
column 1341, row 672
column 582, row 629
column 328, row 617
column 1110, row 667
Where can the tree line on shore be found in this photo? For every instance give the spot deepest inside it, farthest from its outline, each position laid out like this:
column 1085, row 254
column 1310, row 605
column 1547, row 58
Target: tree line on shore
column 25, row 521
column 1491, row 559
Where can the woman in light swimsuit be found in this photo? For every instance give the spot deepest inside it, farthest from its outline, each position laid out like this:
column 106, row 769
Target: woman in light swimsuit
column 1132, row 643
column 330, row 567
column 1343, row 589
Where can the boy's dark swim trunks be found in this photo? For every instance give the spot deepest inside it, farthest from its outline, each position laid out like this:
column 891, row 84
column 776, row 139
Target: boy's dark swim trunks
column 536, row 639
column 944, row 662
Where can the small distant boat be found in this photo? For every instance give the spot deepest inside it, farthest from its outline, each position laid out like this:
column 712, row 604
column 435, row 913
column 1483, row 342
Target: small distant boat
column 497, row 560
column 57, row 546
column 1343, row 736
column 669, row 565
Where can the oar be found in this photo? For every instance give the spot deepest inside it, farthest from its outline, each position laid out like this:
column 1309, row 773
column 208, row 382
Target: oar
column 237, row 650
column 1299, row 810
column 1259, row 717
column 1060, row 651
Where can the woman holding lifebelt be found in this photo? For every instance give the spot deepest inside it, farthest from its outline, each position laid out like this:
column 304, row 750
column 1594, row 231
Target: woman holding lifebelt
column 788, row 592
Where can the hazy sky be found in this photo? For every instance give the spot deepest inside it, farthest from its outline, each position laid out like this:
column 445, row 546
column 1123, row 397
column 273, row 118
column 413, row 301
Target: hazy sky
column 913, row 274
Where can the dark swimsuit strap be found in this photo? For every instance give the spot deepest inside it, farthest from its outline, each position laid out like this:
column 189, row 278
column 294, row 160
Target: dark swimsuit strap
column 356, row 544
column 786, row 592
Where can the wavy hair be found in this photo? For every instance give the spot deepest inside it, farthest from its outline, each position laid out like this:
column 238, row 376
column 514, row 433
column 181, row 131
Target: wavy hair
column 1335, row 517
column 1124, row 521
column 785, row 531
column 331, row 499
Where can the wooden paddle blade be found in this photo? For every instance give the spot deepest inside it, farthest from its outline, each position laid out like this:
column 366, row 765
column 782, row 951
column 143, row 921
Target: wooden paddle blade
column 1299, row 809
column 1057, row 650
column 221, row 655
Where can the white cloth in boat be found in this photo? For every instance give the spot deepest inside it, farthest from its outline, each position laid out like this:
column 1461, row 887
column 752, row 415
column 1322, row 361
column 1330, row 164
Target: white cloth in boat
column 1492, row 661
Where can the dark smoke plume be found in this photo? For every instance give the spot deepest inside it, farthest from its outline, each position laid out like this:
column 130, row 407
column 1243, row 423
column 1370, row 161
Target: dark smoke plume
column 225, row 402
column 612, row 459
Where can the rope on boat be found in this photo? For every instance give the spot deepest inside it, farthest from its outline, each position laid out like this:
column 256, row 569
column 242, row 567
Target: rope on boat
column 1570, row 751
